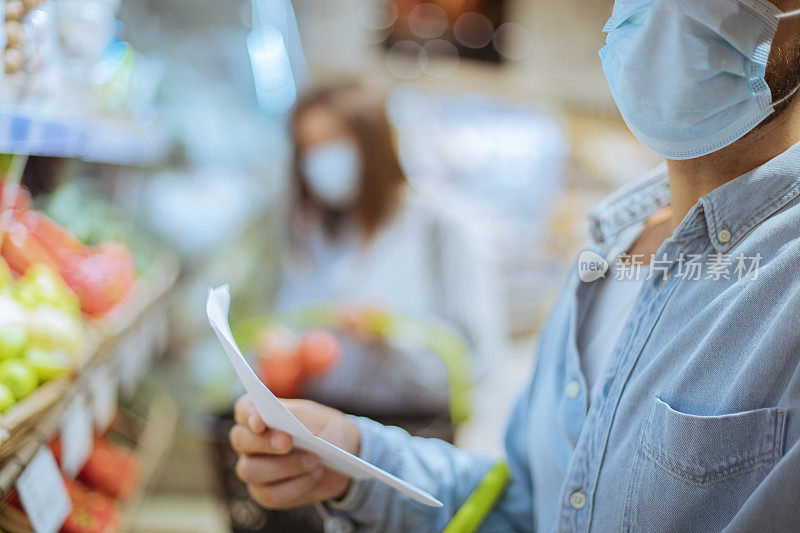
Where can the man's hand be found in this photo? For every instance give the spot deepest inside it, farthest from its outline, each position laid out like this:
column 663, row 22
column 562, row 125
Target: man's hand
column 279, row 476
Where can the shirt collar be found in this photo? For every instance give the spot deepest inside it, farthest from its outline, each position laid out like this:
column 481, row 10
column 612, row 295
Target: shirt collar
column 629, row 205
column 730, row 211
column 740, row 205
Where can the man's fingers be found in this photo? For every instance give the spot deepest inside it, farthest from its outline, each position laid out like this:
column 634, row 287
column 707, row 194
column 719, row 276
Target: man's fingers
column 286, row 494
column 265, row 469
column 242, row 410
column 272, row 442
column 245, row 414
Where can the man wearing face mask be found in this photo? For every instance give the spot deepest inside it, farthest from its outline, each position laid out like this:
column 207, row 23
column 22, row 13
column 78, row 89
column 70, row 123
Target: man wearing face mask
column 686, row 416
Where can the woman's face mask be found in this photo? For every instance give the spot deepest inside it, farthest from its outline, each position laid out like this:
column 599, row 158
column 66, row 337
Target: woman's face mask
column 333, row 172
column 688, row 75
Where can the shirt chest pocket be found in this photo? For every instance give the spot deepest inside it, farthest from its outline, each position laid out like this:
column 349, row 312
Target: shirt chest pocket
column 692, row 473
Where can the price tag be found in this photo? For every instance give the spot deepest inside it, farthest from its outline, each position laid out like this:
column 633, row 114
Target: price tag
column 77, row 438
column 43, row 494
column 105, row 392
column 161, row 335
column 127, row 354
column 135, row 357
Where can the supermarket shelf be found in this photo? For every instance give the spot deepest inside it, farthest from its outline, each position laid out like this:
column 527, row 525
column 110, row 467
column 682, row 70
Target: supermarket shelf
column 153, row 445
column 130, row 324
column 97, row 139
column 154, row 439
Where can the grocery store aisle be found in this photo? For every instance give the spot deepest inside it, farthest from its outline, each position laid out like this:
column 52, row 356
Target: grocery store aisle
column 494, row 397
column 181, row 514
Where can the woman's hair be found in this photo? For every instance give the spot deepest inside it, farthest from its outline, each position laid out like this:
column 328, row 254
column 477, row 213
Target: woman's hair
column 363, row 113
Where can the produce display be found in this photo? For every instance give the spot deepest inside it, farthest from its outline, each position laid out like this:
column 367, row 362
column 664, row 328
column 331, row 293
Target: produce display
column 51, row 286
column 109, row 478
column 287, row 360
column 42, row 335
column 73, row 313
column 79, row 206
column 111, row 469
column 99, row 275
column 92, row 511
column 18, row 55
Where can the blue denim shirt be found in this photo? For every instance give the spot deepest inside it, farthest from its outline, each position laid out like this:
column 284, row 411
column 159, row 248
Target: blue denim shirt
column 694, row 424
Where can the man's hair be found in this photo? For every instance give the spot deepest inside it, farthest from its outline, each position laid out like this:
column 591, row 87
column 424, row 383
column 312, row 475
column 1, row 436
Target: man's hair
column 783, row 75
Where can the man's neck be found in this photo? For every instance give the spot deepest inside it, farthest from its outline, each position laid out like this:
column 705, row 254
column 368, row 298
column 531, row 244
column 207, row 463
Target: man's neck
column 691, row 179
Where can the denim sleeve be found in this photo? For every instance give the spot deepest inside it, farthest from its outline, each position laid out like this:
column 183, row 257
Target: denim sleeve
column 447, row 472
column 775, row 504
column 433, row 465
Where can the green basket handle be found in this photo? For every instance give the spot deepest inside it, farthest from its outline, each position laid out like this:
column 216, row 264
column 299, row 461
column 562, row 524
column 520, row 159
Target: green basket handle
column 481, row 501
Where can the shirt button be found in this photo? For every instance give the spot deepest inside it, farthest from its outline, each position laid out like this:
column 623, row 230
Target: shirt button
column 577, row 499
column 573, row 389
column 724, row 235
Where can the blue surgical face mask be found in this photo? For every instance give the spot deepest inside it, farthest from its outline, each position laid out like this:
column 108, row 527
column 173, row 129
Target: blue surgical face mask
column 333, row 172
column 688, row 75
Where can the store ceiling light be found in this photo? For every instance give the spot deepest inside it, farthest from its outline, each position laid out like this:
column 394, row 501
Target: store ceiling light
column 404, row 60
column 513, row 41
column 428, row 21
column 377, row 14
column 473, row 30
column 272, row 72
column 439, row 58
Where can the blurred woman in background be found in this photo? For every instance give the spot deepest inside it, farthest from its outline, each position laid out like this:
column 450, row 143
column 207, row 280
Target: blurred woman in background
column 363, row 238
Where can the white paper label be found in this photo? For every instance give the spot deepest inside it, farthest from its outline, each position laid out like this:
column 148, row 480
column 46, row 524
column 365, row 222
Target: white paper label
column 132, row 360
column 43, row 494
column 77, row 436
column 105, row 389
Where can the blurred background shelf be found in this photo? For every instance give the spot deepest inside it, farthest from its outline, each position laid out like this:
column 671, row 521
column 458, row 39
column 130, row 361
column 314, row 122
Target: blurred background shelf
column 93, row 139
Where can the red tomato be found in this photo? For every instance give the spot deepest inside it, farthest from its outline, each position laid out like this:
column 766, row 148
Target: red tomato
column 282, row 374
column 318, row 351
column 112, row 470
column 100, row 276
column 19, row 196
column 21, row 250
column 91, row 512
column 55, row 239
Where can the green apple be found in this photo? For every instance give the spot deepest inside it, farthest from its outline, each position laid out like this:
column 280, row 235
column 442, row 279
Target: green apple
column 19, row 377
column 47, row 364
column 6, row 279
column 6, row 398
column 13, row 340
column 13, row 328
column 52, row 328
column 43, row 285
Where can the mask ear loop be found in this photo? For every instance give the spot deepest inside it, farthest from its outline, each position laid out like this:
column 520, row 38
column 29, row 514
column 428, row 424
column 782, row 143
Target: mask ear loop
column 788, row 14
column 781, row 100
